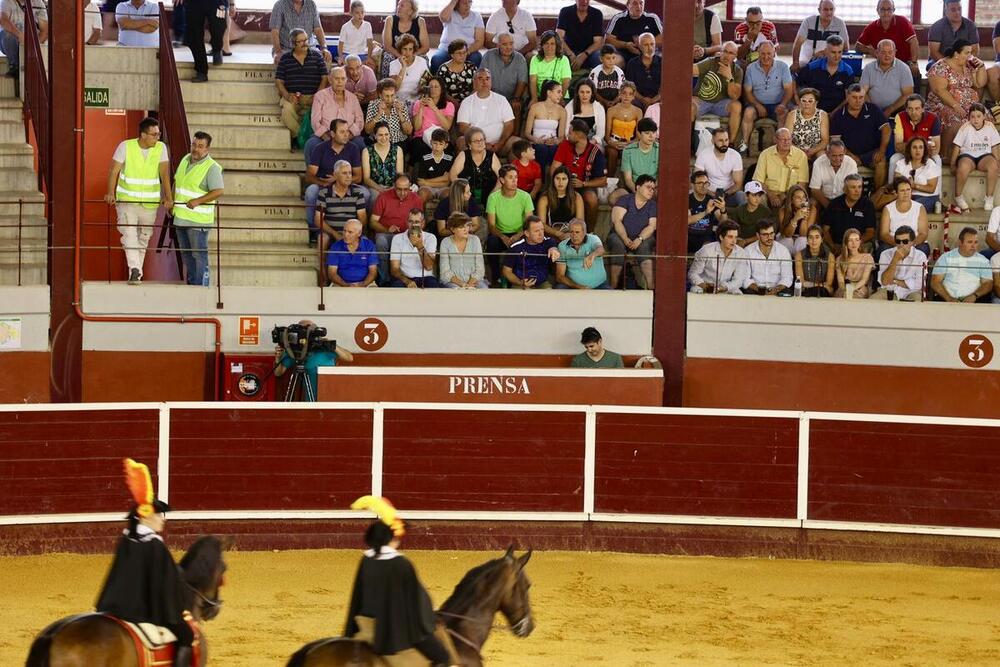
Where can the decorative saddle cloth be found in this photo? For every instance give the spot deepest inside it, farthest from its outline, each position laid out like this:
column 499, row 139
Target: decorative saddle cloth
column 154, row 645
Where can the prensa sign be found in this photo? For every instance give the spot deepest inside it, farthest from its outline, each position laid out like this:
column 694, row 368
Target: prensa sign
column 487, row 384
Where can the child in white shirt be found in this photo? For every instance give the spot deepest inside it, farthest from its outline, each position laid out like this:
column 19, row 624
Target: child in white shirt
column 607, row 77
column 356, row 35
column 976, row 148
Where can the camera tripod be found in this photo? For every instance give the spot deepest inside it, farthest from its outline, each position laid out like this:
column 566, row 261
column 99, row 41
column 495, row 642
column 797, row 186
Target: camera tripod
column 299, row 383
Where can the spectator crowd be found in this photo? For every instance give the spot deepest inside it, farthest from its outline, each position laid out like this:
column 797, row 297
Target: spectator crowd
column 482, row 160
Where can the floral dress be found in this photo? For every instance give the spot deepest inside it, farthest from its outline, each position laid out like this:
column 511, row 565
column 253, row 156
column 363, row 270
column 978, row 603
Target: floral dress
column 961, row 86
column 457, row 85
column 383, row 172
column 807, row 132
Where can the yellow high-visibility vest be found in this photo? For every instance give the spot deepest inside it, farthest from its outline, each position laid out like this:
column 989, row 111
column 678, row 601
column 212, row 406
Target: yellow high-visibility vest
column 187, row 186
column 139, row 180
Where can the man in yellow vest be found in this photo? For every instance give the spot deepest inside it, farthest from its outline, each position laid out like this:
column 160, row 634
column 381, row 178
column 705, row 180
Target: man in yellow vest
column 197, row 184
column 138, row 183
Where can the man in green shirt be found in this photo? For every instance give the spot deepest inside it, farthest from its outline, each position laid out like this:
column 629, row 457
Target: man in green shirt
column 720, row 85
column 749, row 214
column 642, row 157
column 595, row 356
column 506, row 209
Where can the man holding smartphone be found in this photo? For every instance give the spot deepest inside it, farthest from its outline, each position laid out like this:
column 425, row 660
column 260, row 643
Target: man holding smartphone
column 411, row 258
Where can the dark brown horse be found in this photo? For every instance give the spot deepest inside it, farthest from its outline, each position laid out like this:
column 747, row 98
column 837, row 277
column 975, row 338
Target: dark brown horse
column 96, row 640
column 467, row 616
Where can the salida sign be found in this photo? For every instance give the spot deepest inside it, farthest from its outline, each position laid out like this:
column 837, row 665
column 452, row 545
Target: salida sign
column 487, row 384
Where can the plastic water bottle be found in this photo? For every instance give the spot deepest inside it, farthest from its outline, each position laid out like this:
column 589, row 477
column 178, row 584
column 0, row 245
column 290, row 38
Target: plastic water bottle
column 797, row 288
column 204, row 278
column 849, row 290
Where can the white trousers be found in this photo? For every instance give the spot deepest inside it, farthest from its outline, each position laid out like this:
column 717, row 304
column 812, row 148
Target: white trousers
column 135, row 223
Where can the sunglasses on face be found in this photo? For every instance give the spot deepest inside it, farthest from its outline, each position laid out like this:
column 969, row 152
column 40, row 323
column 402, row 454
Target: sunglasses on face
column 902, row 241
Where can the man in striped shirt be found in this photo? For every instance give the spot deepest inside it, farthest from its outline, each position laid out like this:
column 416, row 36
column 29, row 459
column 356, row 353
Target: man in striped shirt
column 301, row 72
column 289, row 15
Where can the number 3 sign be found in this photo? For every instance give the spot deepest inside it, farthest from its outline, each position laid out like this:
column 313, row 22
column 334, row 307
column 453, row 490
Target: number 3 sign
column 976, row 351
column 372, row 334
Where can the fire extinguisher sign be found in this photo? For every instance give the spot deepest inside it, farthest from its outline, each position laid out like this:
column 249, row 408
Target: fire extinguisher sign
column 250, row 330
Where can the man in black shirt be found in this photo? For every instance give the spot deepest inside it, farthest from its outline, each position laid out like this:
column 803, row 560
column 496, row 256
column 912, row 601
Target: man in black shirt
column 705, row 212
column 581, row 29
column 851, row 209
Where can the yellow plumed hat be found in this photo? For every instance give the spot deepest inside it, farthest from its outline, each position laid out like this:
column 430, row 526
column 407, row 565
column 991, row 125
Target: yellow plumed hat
column 384, row 510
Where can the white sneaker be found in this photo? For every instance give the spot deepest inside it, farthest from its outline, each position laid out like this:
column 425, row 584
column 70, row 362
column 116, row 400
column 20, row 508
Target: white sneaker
column 961, row 203
column 988, row 203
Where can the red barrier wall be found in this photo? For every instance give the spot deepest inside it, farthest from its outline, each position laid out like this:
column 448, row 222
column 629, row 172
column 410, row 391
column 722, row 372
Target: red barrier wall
column 696, row 465
column 269, row 459
column 71, row 461
column 479, row 460
column 918, row 474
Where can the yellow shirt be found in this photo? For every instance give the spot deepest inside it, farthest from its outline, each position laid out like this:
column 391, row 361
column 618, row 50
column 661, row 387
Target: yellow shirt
column 776, row 174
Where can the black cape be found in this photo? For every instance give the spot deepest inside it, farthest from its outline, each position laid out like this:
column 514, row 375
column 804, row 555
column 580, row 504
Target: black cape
column 144, row 584
column 388, row 590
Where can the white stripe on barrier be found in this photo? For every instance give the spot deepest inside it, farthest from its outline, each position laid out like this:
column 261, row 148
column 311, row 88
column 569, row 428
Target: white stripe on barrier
column 163, row 459
column 33, row 519
column 903, row 419
column 589, row 459
column 695, row 520
column 802, row 477
column 378, row 444
column 948, row 531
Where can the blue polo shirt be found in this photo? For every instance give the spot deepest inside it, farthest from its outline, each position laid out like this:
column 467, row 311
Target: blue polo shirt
column 573, row 258
column 832, row 89
column 768, row 87
column 861, row 134
column 534, row 264
column 352, row 266
column 323, row 157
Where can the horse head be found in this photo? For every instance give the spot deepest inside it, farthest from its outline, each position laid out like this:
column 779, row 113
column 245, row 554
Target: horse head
column 204, row 570
column 514, row 603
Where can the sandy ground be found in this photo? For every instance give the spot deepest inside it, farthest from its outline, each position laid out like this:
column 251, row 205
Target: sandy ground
column 590, row 608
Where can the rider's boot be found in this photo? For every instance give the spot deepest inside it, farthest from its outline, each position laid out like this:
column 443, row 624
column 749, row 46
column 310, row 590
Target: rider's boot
column 182, row 656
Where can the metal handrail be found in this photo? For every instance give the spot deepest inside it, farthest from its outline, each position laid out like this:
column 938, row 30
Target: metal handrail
column 173, row 118
column 36, row 96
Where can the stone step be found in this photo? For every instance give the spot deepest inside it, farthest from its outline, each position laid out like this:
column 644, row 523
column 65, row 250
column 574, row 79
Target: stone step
column 262, row 208
column 251, row 276
column 270, row 108
column 292, row 233
column 30, row 274
column 17, row 156
column 253, row 159
column 31, row 252
column 259, row 255
column 12, row 132
column 231, row 93
column 19, row 179
column 31, row 203
column 233, row 116
column 32, row 228
column 276, row 184
column 247, row 73
column 246, row 136
column 6, row 84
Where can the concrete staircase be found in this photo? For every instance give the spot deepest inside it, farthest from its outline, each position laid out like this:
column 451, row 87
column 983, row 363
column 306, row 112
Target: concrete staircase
column 263, row 237
column 23, row 230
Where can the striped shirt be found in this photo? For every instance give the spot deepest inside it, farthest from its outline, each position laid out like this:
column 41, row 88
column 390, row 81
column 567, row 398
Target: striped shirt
column 284, row 19
column 338, row 210
column 302, row 78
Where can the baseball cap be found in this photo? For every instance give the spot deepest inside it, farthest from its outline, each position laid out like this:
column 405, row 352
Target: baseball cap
column 753, row 188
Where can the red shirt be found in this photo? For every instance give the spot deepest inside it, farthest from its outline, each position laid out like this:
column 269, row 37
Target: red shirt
column 767, row 31
column 527, row 174
column 899, row 31
column 929, row 126
column 393, row 211
column 589, row 165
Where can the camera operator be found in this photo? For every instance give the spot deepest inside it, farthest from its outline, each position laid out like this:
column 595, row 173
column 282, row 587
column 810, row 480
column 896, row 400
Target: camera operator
column 314, row 359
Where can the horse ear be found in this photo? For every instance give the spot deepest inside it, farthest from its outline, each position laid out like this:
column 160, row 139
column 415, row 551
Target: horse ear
column 523, row 560
column 510, row 553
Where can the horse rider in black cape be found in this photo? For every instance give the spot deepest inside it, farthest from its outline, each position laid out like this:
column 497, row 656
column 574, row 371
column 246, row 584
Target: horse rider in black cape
column 386, row 589
column 144, row 584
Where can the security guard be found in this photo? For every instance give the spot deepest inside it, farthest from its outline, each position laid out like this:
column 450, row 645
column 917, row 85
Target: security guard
column 197, row 184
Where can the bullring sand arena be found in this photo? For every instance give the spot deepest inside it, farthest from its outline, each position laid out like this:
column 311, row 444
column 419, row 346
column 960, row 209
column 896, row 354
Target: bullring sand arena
column 590, row 608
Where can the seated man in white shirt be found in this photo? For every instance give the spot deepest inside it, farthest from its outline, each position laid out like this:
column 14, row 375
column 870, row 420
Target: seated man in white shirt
column 488, row 111
column 720, row 267
column 901, row 270
column 411, row 255
column 724, row 167
column 770, row 264
column 829, row 171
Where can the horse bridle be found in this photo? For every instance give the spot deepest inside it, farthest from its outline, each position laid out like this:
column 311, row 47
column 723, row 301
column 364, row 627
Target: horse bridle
column 515, row 629
column 215, row 604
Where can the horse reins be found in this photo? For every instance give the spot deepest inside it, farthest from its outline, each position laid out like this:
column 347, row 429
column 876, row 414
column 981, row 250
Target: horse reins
column 216, row 603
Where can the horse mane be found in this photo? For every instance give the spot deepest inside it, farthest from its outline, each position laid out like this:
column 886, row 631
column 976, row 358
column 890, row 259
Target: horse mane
column 201, row 561
column 471, row 588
